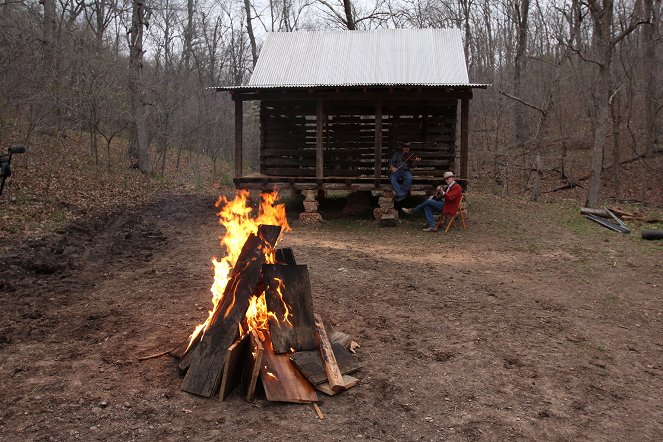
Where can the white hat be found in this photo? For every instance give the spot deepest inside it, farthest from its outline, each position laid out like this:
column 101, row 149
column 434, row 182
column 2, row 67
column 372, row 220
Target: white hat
column 448, row 175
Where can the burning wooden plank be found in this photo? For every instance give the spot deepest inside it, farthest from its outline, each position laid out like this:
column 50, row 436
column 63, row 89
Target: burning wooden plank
column 281, row 381
column 207, row 360
column 285, row 255
column 288, row 296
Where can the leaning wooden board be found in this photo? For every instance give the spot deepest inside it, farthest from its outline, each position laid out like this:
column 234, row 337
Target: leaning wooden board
column 310, row 364
column 288, row 285
column 232, row 366
column 252, row 365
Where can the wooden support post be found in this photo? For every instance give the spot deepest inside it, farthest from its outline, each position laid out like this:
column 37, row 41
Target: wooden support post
column 207, row 360
column 378, row 141
column 334, row 375
column 319, row 153
column 239, row 125
column 464, row 121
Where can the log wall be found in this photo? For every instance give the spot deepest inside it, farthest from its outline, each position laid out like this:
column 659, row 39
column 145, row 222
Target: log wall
column 288, row 137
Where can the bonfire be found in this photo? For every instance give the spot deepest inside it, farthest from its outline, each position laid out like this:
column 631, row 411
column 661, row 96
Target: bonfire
column 262, row 326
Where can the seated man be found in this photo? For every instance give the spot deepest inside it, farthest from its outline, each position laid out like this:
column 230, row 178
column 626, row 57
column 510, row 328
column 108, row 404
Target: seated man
column 444, row 201
column 399, row 165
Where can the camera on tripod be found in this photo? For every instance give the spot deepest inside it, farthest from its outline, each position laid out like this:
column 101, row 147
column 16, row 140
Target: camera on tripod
column 5, row 164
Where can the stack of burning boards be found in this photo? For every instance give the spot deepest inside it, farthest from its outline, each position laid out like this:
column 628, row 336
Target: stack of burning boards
column 292, row 357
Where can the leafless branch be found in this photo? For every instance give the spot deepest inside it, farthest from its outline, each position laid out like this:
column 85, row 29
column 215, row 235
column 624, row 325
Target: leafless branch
column 520, row 100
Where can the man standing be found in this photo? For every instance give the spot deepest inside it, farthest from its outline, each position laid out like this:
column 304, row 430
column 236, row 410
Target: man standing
column 444, row 201
column 400, row 166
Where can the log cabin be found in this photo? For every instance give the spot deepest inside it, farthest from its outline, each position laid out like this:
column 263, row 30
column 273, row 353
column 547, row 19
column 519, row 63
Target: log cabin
column 335, row 105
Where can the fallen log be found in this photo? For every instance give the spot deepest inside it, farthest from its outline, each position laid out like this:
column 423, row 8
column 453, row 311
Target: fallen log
column 204, row 373
column 598, row 212
column 289, row 284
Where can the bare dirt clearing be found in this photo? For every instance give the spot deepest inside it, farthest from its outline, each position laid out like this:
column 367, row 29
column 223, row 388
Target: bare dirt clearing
column 533, row 324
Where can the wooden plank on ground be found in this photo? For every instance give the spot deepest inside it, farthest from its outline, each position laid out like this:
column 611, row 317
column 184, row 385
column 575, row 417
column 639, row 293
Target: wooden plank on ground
column 334, row 375
column 233, row 366
column 309, row 363
column 349, row 382
column 290, row 284
column 204, row 374
column 281, row 380
column 252, row 365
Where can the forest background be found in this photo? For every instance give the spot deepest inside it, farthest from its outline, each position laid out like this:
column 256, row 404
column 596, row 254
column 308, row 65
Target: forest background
column 114, row 84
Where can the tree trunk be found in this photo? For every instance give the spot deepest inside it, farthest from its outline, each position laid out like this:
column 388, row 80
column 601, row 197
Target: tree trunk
column 616, row 155
column 651, row 8
column 649, row 36
column 100, row 12
column 249, row 30
column 536, row 191
column 188, row 35
column 602, row 48
column 349, row 18
column 601, row 117
column 49, row 36
column 139, row 130
column 520, row 64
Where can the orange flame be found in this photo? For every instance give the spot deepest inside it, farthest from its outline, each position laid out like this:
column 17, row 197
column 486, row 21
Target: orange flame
column 258, row 316
column 236, row 216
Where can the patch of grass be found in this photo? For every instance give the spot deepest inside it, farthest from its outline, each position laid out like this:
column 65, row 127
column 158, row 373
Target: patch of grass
column 612, row 299
column 600, row 348
column 580, row 225
column 584, row 344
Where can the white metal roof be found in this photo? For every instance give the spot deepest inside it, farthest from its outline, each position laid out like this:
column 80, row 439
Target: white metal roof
column 430, row 57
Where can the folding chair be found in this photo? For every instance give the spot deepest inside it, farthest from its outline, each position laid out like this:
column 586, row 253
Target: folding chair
column 452, row 221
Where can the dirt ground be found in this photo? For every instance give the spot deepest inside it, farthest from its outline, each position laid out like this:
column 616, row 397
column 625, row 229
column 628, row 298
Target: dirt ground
column 533, row 324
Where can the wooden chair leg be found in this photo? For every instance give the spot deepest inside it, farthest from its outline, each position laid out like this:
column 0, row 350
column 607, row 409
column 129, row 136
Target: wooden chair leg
column 462, row 219
column 451, row 223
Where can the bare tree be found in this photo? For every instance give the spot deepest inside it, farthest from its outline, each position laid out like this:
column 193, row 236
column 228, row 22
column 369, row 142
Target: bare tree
column 602, row 49
column 139, row 141
column 249, row 30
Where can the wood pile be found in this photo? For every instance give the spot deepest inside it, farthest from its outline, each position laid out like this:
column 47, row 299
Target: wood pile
column 293, row 358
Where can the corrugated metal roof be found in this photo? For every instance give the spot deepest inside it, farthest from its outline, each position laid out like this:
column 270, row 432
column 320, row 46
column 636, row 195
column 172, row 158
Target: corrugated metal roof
column 427, row 57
